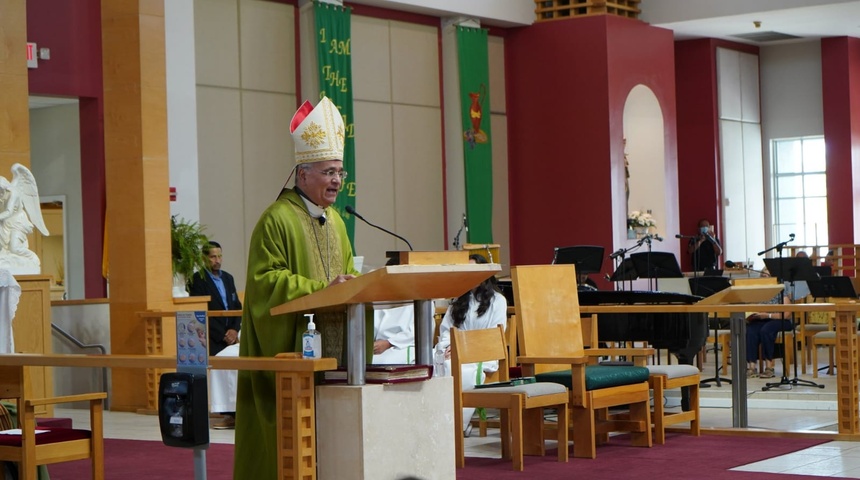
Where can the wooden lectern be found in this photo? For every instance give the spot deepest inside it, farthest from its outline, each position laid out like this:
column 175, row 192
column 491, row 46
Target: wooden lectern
column 394, row 430
column 419, row 283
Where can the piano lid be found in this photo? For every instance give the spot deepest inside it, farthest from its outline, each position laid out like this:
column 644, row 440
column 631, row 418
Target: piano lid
column 625, row 297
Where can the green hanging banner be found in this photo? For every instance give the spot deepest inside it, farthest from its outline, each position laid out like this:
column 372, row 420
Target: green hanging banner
column 335, row 72
column 477, row 147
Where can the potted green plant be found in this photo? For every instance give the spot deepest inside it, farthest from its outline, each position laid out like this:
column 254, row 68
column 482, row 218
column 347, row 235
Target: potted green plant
column 187, row 241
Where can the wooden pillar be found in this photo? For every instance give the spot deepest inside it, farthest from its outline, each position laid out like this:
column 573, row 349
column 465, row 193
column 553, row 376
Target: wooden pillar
column 136, row 177
column 847, row 373
column 14, row 107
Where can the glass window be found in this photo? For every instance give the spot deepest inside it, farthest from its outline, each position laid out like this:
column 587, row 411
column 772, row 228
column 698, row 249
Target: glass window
column 800, row 190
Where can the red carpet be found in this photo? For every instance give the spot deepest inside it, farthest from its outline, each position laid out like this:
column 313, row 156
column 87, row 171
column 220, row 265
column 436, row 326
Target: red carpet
column 140, row 460
column 682, row 457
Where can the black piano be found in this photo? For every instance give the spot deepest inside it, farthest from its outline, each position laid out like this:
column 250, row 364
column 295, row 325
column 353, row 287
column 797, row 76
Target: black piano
column 683, row 334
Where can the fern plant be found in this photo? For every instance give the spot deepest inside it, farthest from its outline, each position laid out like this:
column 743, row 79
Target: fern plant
column 187, row 241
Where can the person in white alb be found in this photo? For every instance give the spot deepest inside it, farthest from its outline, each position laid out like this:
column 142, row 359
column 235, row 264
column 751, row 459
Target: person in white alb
column 394, row 335
column 482, row 307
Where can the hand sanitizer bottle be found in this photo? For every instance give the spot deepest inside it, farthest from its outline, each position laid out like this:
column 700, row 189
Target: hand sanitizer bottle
column 311, row 340
column 439, row 369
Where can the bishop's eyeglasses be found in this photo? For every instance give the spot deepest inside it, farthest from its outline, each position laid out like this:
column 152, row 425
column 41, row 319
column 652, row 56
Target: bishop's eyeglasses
column 331, row 172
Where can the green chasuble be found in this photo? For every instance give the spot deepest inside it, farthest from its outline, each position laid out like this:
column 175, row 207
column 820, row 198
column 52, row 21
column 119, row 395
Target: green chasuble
column 291, row 255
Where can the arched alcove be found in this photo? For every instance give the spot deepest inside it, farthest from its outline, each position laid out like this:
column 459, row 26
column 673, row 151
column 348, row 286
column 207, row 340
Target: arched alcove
column 644, row 153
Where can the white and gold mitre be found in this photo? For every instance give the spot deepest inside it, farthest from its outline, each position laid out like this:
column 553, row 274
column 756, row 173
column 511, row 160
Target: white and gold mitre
column 318, row 132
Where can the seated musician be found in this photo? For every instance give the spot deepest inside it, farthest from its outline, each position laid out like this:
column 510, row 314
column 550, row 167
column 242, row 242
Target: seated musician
column 762, row 330
column 585, row 283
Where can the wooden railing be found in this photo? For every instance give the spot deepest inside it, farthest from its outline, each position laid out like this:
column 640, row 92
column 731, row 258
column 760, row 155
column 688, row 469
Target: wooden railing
column 556, row 9
column 845, row 260
column 294, row 402
column 847, row 348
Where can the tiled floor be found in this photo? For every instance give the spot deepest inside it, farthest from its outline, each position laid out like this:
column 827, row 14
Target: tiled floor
column 798, row 408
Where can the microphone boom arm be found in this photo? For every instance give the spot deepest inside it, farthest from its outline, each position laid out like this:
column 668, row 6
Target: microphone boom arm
column 352, row 211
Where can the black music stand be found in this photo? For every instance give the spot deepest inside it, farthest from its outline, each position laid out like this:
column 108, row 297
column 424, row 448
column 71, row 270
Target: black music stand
column 587, row 258
column 626, row 271
column 705, row 287
column 656, row 265
column 790, row 270
column 839, row 287
column 823, row 270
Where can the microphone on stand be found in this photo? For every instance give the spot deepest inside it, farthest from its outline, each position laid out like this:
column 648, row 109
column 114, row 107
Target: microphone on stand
column 616, row 254
column 352, row 211
column 731, row 264
column 684, row 236
column 657, row 237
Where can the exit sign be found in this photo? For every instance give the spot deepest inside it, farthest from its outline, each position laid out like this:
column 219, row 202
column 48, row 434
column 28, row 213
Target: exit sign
column 32, row 57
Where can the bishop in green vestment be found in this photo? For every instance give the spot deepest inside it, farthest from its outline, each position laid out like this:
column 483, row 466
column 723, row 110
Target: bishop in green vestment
column 299, row 246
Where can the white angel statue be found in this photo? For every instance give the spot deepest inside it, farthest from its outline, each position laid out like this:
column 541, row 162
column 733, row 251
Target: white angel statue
column 19, row 213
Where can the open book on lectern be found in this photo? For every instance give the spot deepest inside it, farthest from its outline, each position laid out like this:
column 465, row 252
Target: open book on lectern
column 743, row 294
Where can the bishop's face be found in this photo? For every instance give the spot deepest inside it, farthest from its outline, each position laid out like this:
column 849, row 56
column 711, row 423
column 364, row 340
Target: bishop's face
column 322, row 181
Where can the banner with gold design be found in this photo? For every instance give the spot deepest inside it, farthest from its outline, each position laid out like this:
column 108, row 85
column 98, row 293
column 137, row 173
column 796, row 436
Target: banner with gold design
column 477, row 148
column 335, row 63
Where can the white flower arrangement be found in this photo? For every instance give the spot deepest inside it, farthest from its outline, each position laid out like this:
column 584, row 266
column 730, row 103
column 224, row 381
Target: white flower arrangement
column 640, row 219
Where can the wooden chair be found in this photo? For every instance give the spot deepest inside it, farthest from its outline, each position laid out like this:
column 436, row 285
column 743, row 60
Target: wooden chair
column 551, row 341
column 826, row 339
column 472, row 346
column 660, row 379
column 58, row 444
column 809, row 324
column 511, row 344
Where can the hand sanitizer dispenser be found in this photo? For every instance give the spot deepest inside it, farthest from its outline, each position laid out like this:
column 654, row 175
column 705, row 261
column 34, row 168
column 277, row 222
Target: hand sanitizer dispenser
column 183, row 410
column 311, row 340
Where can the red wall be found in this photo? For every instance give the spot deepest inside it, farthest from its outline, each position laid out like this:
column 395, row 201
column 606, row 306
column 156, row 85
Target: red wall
column 698, row 137
column 840, row 78
column 72, row 30
column 567, row 83
column 700, row 190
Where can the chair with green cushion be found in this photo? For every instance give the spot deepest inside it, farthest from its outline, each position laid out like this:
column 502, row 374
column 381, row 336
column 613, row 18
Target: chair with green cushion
column 550, row 340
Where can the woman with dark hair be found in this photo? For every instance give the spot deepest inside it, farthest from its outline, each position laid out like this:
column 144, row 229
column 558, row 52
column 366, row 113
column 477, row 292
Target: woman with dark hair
column 482, row 307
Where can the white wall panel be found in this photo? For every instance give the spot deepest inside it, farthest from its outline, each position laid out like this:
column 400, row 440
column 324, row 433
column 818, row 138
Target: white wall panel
column 216, row 35
column 267, row 40
column 749, row 87
column 418, row 176
column 496, row 54
column 371, row 59
column 729, row 84
column 734, row 192
column 221, row 189
column 375, row 193
column 415, row 64
column 754, row 191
